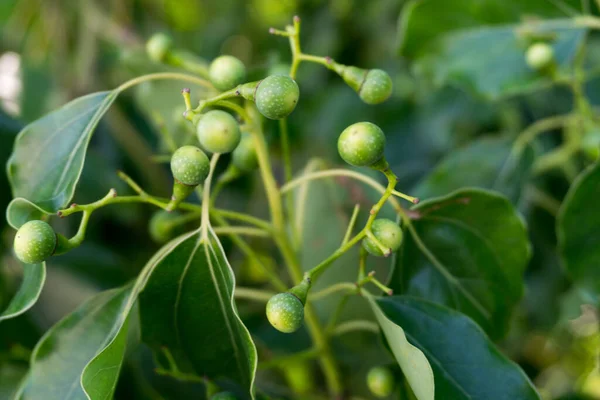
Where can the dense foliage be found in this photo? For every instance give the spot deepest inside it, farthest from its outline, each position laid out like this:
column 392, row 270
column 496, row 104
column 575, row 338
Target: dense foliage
column 236, row 227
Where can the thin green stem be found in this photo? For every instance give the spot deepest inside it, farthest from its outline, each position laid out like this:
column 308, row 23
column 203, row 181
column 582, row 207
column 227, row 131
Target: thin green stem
column 260, row 296
column 283, row 361
column 336, row 287
column 163, row 76
column 316, row 272
column 242, row 230
column 206, row 196
column 287, row 170
column 351, row 224
column 354, row 326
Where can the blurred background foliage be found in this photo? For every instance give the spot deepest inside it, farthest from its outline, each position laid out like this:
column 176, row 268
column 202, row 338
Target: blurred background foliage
column 460, row 99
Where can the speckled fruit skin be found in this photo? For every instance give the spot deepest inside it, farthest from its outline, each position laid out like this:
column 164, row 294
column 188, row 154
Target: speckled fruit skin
column 380, row 381
column 223, row 396
column 376, row 88
column 35, row 241
column 190, row 165
column 218, row 132
column 158, row 46
column 285, row 312
column 387, row 232
column 539, row 56
column 226, row 72
column 276, row 96
column 361, row 144
column 244, row 156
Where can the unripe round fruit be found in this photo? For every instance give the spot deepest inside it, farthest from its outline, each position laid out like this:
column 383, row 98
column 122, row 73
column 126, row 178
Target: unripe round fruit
column 160, row 225
column 226, row 72
column 380, row 381
column 218, row 132
column 387, row 232
column 361, row 144
column 285, row 312
column 539, row 55
column 190, row 165
column 276, row 96
column 35, row 241
column 244, row 156
column 223, row 396
column 158, row 47
column 376, row 88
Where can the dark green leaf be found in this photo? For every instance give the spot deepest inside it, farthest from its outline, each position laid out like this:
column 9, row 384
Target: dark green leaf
column 578, row 229
column 34, row 276
column 49, row 153
column 412, row 361
column 466, row 365
column 187, row 309
column 456, row 49
column 469, row 251
column 81, row 356
column 489, row 163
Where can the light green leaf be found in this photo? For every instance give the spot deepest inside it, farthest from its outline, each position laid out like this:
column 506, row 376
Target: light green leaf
column 34, row 276
column 49, row 153
column 466, row 365
column 187, row 308
column 578, row 230
column 412, row 361
column 21, row 210
column 488, row 163
column 467, row 250
column 81, row 355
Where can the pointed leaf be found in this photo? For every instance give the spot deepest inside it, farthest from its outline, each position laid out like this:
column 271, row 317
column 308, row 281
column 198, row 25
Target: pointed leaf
column 467, row 250
column 187, row 308
column 412, row 361
column 488, row 163
column 34, row 276
column 81, row 355
column 466, row 365
column 48, row 154
column 578, row 230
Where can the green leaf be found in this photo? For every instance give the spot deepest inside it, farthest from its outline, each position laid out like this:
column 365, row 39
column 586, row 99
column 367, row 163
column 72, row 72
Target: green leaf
column 80, row 357
column 34, row 276
column 10, row 378
column 49, row 153
column 466, row 365
column 578, row 230
column 187, row 308
column 21, row 210
column 456, row 49
column 489, row 163
column 412, row 361
column 467, row 250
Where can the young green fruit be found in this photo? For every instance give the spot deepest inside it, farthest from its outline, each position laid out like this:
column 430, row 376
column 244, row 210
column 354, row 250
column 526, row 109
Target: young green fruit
column 539, row 56
column 276, row 96
column 223, row 396
column 380, row 381
column 161, row 226
column 361, row 144
column 218, row 132
column 373, row 86
column 226, row 72
column 285, row 311
column 35, row 241
column 158, row 47
column 244, row 156
column 190, row 165
column 387, row 232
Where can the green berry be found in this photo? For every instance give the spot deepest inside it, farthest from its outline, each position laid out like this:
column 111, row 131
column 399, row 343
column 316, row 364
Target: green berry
column 244, row 156
column 387, row 232
column 376, row 88
column 218, row 132
column 35, row 241
column 539, row 56
column 276, row 96
column 190, row 165
column 285, row 312
column 223, row 396
column 361, row 144
column 380, row 381
column 161, row 225
column 226, row 72
column 158, row 47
